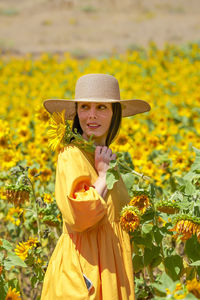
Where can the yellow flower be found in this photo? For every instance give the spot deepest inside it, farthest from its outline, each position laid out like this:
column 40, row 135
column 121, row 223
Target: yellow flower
column 41, row 113
column 32, row 242
column 4, row 134
column 12, row 294
column 24, row 133
column 142, row 202
column 177, row 293
column 3, row 142
column 129, row 219
column 57, row 129
column 193, row 287
column 15, row 215
column 22, row 248
column 17, row 197
column 1, row 269
column 46, row 174
column 3, row 193
column 122, row 142
column 48, row 198
column 187, row 228
column 9, row 158
column 168, row 207
column 32, row 172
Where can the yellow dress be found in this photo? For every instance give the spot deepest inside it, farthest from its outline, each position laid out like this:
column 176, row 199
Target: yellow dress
column 93, row 242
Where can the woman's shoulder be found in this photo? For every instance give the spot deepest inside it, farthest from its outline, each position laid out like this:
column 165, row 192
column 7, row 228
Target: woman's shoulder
column 70, row 152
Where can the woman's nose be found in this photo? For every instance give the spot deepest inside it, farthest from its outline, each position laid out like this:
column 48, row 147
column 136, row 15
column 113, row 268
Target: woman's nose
column 92, row 113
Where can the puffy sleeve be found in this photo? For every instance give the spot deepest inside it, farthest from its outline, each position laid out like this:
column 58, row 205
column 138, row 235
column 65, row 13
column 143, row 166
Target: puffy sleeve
column 79, row 202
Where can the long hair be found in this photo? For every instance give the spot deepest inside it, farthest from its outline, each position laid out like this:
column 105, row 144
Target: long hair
column 114, row 124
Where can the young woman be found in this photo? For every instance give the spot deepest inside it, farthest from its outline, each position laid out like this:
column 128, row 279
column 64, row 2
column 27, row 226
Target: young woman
column 92, row 259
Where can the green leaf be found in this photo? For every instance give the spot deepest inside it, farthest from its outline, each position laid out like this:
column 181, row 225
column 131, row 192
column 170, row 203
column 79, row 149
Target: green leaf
column 189, row 177
column 145, row 240
column 189, row 188
column 152, row 190
column 158, row 235
column 128, row 179
column 198, row 271
column 196, row 263
column 3, row 288
column 180, row 180
column 196, row 164
column 6, row 245
column 160, row 288
column 164, row 282
column 190, row 273
column 147, row 227
column 173, row 266
column 112, row 176
column 151, row 254
column 13, row 260
column 192, row 249
column 190, row 297
column 155, row 262
column 113, row 163
column 137, row 263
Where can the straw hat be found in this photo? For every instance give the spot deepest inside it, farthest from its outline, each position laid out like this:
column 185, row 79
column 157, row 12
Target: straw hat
column 96, row 88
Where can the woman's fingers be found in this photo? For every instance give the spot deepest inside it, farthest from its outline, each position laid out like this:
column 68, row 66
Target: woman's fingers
column 109, row 152
column 103, row 151
column 113, row 157
column 98, row 150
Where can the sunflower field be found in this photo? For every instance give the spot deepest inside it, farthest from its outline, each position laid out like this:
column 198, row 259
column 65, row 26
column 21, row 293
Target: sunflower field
column 161, row 151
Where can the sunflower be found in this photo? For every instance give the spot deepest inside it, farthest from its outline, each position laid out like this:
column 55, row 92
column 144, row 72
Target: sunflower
column 142, row 202
column 41, row 114
column 130, row 219
column 48, row 198
column 193, row 287
column 22, row 250
column 167, row 207
column 1, row 269
column 3, row 142
column 187, row 226
column 32, row 242
column 57, row 129
column 24, row 133
column 3, row 193
column 32, row 172
column 178, row 293
column 17, row 197
column 15, row 215
column 12, row 294
column 9, row 158
column 46, row 174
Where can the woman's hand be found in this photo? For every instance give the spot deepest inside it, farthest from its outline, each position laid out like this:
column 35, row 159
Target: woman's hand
column 103, row 155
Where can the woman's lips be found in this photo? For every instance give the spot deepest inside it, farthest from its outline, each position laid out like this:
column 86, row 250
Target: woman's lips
column 93, row 125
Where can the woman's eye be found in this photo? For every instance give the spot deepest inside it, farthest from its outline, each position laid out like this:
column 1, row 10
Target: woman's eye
column 101, row 107
column 84, row 106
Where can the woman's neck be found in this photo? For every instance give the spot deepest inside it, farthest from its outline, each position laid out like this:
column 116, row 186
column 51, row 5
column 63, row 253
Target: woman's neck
column 97, row 141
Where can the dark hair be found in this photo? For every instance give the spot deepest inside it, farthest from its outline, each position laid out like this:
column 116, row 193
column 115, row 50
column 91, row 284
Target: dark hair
column 114, row 124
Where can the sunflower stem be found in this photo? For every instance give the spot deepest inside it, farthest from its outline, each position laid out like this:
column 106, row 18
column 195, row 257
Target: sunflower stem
column 36, row 210
column 157, row 225
column 133, row 171
column 150, row 272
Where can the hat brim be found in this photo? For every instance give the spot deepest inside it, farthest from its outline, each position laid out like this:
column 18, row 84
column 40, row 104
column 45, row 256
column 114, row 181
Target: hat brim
column 129, row 107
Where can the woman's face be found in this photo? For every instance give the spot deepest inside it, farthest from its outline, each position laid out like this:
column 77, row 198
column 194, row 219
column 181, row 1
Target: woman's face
column 95, row 120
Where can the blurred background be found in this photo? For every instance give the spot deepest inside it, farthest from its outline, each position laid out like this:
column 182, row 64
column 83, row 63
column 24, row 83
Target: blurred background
column 162, row 67
column 88, row 28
